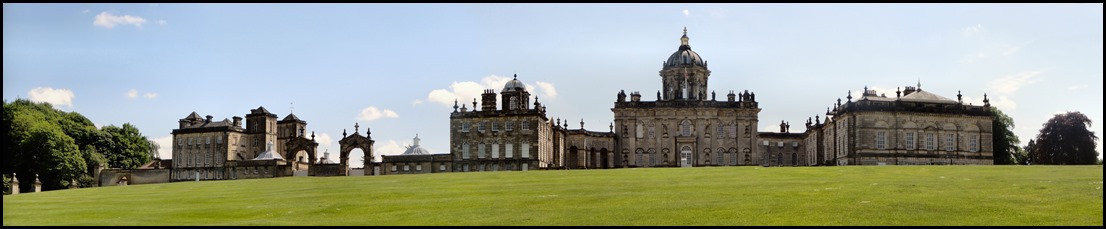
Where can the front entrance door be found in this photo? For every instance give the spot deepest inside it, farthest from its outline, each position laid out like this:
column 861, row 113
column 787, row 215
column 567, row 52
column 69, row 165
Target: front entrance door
column 685, row 157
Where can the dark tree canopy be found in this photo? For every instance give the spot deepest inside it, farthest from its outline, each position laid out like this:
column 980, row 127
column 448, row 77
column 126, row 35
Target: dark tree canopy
column 62, row 147
column 1065, row 140
column 1005, row 142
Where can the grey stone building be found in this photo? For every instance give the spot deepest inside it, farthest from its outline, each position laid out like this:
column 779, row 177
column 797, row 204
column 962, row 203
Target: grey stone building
column 687, row 125
column 416, row 160
column 915, row 127
column 516, row 137
column 204, row 149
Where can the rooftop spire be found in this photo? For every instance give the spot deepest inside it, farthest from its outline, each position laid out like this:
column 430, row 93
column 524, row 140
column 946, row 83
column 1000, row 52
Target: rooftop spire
column 683, row 40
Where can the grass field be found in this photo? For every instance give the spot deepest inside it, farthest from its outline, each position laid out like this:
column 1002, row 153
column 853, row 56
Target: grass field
column 845, row 195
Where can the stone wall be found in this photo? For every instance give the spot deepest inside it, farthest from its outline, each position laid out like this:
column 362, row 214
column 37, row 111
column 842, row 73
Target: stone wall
column 111, row 177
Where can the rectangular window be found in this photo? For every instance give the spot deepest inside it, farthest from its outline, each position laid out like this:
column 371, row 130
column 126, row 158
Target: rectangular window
column 524, row 126
column 441, row 167
column 950, row 143
column 190, row 139
column 465, row 167
column 509, row 151
column 495, row 126
column 651, row 130
column 930, row 145
column 732, row 129
column 393, row 168
column 495, row 150
column 480, row 151
column 508, row 126
column 525, row 167
column 881, row 140
column 406, row 168
column 219, row 140
column 418, row 167
column 480, row 127
column 464, row 127
column 973, row 144
column 465, row 151
column 525, row 151
column 910, row 140
column 721, row 131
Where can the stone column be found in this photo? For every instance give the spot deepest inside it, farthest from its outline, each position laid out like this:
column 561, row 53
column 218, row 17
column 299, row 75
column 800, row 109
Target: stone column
column 15, row 185
column 38, row 184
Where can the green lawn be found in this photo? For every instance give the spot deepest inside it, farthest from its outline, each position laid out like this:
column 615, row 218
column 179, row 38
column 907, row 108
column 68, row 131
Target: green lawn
column 845, row 195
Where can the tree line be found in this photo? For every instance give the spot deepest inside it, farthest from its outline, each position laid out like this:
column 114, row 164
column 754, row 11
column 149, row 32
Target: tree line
column 63, row 147
column 1065, row 139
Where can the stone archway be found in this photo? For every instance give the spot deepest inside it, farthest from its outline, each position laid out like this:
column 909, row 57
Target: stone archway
column 302, row 143
column 356, row 141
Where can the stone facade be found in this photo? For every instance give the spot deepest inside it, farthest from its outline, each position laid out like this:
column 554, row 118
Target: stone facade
column 218, row 150
column 914, row 128
column 686, row 126
column 511, row 138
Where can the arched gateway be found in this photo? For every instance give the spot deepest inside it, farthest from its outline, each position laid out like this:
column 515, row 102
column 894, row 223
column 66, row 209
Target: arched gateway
column 354, row 141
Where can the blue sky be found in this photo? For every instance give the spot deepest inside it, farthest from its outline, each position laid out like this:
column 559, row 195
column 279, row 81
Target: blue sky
column 396, row 68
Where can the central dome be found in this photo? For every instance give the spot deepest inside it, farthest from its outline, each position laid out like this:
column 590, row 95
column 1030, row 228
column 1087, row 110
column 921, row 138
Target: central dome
column 514, row 85
column 684, row 57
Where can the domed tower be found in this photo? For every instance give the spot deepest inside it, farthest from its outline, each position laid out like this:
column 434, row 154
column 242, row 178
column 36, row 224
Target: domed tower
column 684, row 75
column 515, row 96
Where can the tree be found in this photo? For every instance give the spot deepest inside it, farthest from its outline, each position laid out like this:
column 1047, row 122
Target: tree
column 130, row 150
column 1066, row 140
column 1004, row 141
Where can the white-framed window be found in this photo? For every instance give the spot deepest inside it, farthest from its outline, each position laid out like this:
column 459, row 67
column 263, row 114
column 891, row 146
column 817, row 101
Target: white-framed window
column 513, row 104
column 406, row 167
column 441, row 167
column 766, row 142
column 480, row 151
column 524, row 125
column 950, row 142
column 930, row 143
column 418, row 167
column 495, row 126
column 909, row 140
column 465, row 167
column 525, row 151
column 208, row 140
column 881, row 140
column 973, row 143
column 508, row 126
column 508, row 152
column 495, row 150
column 394, row 168
column 465, row 151
column 180, row 142
column 464, row 127
column 480, row 127
column 219, row 140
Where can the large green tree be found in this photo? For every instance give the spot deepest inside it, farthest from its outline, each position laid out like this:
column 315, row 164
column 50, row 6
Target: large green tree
column 1004, row 141
column 63, row 146
column 130, row 150
column 1065, row 140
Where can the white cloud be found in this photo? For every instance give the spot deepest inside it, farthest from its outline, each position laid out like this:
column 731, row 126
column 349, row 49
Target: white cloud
column 972, row 30
column 548, row 91
column 162, row 22
column 106, row 20
column 166, row 146
column 373, row 113
column 133, row 93
column 390, row 148
column 686, row 12
column 326, row 143
column 1011, row 83
column 57, row 97
column 465, row 92
column 416, row 102
column 1077, row 87
column 150, row 95
column 85, row 11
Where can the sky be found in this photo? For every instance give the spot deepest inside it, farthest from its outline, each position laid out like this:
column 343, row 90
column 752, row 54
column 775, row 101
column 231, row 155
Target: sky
column 398, row 68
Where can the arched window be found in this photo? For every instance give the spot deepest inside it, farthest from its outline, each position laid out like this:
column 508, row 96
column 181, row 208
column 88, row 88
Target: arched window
column 685, row 128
